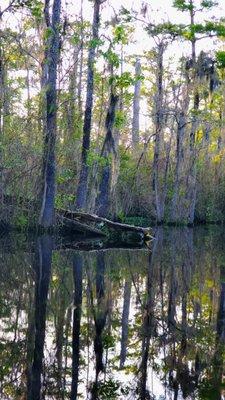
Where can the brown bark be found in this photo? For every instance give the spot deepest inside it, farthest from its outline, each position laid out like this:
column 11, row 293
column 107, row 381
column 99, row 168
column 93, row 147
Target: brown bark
column 136, row 104
column 49, row 168
column 81, row 197
column 158, row 182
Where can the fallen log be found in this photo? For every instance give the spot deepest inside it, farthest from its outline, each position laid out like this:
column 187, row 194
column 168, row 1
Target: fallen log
column 77, row 226
column 86, row 218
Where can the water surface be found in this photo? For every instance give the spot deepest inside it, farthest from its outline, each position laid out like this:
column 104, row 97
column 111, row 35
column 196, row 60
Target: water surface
column 113, row 323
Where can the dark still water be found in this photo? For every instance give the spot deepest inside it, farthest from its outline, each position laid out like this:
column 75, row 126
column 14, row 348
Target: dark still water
column 113, row 323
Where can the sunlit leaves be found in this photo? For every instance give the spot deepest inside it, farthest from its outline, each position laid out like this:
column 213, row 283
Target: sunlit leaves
column 120, row 119
column 187, row 5
column 183, row 5
column 94, row 43
column 209, row 3
column 36, row 7
column 122, row 81
column 220, row 58
column 127, row 16
column 121, row 34
column 112, row 58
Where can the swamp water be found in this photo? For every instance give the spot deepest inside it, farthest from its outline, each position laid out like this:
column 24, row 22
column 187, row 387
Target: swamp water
column 113, row 323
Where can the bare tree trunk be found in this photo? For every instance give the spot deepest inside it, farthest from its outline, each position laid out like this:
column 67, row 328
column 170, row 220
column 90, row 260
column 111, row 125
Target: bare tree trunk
column 4, row 113
column 136, row 105
column 175, row 215
column 158, row 188
column 1, row 122
column 73, row 94
column 83, row 178
column 79, row 89
column 49, row 169
column 192, row 189
column 108, row 150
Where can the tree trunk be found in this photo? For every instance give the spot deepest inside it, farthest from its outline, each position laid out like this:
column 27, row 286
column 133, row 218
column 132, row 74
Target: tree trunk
column 49, row 169
column 136, row 105
column 4, row 113
column 83, row 178
column 192, row 188
column 79, row 89
column 158, row 187
column 1, row 122
column 72, row 106
column 108, row 151
column 175, row 215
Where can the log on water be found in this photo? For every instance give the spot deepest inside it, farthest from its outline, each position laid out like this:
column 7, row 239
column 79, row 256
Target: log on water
column 86, row 218
column 77, row 226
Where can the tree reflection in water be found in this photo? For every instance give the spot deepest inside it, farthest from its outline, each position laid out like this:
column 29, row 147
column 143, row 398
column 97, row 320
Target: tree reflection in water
column 42, row 267
column 113, row 323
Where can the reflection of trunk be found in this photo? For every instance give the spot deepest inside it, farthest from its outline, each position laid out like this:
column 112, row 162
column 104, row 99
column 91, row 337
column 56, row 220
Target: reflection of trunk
column 184, row 323
column 214, row 380
column 43, row 273
column 136, row 104
column 125, row 322
column 148, row 321
column 100, row 313
column 108, row 153
column 187, row 271
column 59, row 326
column 30, row 332
column 218, row 366
column 83, row 178
column 48, row 196
column 67, row 334
column 77, row 276
column 172, row 298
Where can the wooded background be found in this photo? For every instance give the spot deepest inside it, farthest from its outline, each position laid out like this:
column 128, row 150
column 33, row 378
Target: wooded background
column 88, row 122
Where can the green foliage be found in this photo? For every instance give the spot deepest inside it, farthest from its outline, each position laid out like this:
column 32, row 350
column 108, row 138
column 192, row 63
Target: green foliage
column 108, row 390
column 65, row 176
column 188, row 32
column 48, row 33
column 121, row 34
column 112, row 58
column 21, row 221
column 120, row 119
column 36, row 7
column 209, row 3
column 63, row 200
column 220, row 58
column 183, row 5
column 94, row 43
column 122, row 81
column 94, row 158
column 127, row 16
